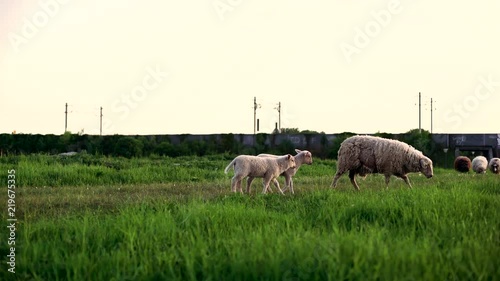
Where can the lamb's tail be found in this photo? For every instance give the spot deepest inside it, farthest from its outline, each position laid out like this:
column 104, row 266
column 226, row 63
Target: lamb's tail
column 231, row 165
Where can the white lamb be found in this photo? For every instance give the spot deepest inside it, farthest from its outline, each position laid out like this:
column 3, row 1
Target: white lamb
column 480, row 164
column 258, row 167
column 302, row 157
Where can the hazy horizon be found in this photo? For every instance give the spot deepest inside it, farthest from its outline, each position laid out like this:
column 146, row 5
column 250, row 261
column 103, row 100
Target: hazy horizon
column 170, row 67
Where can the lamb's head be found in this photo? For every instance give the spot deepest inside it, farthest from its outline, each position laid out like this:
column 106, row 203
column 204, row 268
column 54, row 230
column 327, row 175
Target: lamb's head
column 290, row 161
column 426, row 167
column 308, row 159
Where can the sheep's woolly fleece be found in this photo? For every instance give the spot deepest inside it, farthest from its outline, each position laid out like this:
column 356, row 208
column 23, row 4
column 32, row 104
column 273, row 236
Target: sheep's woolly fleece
column 462, row 164
column 480, row 164
column 302, row 157
column 258, row 167
column 367, row 154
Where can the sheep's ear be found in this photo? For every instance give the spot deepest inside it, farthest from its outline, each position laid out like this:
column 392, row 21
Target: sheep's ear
column 298, row 150
column 422, row 162
column 289, row 156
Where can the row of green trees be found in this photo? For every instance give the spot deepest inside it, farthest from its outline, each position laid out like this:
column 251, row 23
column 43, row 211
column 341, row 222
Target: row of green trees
column 143, row 146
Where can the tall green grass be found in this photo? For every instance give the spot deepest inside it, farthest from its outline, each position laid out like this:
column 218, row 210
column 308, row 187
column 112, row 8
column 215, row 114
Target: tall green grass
column 445, row 228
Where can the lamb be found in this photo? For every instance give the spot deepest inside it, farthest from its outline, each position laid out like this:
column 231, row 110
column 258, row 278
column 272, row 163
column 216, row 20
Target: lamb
column 462, row 164
column 479, row 164
column 262, row 167
column 494, row 165
column 302, row 157
column 366, row 154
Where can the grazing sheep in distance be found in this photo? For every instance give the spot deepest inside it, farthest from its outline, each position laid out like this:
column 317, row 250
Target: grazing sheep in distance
column 258, row 167
column 302, row 157
column 494, row 165
column 480, row 164
column 462, row 164
column 366, row 154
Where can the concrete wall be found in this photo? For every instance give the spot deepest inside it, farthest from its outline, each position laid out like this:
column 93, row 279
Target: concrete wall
column 454, row 142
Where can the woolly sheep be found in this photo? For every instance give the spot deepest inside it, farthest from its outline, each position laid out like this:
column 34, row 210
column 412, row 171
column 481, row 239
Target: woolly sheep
column 366, row 154
column 479, row 164
column 258, row 167
column 462, row 164
column 302, row 157
column 494, row 165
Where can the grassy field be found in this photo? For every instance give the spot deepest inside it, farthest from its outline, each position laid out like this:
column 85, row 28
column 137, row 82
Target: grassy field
column 99, row 218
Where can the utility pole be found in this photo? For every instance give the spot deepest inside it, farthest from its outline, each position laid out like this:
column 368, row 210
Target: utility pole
column 254, row 114
column 100, row 123
column 255, row 106
column 66, row 119
column 431, row 115
column 279, row 116
column 419, row 113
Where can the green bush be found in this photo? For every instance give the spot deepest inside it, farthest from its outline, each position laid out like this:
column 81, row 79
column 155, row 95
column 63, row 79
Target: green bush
column 128, row 147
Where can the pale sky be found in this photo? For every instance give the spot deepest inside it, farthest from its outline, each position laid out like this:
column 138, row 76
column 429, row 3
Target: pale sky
column 169, row 67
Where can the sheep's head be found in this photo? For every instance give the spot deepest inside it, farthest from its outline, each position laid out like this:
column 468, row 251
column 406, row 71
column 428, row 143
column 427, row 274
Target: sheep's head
column 291, row 161
column 426, row 167
column 495, row 166
column 307, row 156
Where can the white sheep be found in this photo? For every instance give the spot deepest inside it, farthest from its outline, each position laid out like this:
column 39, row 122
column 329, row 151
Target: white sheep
column 480, row 164
column 302, row 157
column 494, row 165
column 366, row 154
column 258, row 167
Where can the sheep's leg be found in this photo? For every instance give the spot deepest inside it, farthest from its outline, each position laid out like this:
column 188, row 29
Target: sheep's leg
column 238, row 186
column 352, row 176
column 267, row 181
column 249, row 183
column 266, row 184
column 407, row 180
column 234, row 183
column 291, row 185
column 277, row 184
column 288, row 182
column 387, row 179
column 336, row 178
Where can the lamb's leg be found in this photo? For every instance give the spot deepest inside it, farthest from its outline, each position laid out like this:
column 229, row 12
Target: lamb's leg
column 249, row 183
column 336, row 178
column 286, row 183
column 407, row 180
column 276, row 184
column 267, row 181
column 352, row 176
column 238, row 186
column 234, row 183
column 266, row 184
column 291, row 185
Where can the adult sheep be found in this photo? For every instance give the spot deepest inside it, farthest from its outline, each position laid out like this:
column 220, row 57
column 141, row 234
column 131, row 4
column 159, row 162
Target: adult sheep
column 366, row 154
column 462, row 164
column 302, row 157
column 258, row 167
column 494, row 165
column 480, row 164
